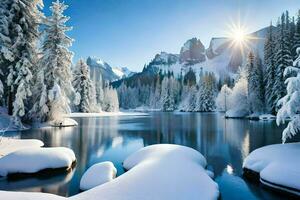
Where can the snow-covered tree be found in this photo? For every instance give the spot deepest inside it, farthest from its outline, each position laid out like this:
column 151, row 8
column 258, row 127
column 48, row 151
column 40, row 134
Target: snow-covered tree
column 255, row 84
column 206, row 95
column 239, row 97
column 111, row 102
column 297, row 34
column 222, row 100
column 55, row 62
column 282, row 60
column 270, row 69
column 20, row 51
column 84, row 86
column 290, row 103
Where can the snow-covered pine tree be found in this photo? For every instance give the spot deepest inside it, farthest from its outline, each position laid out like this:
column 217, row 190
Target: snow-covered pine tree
column 6, row 55
column 297, row 34
column 19, row 51
column 56, row 62
column 255, row 83
column 269, row 62
column 282, row 60
column 111, row 102
column 167, row 95
column 84, row 86
column 206, row 93
column 290, row 103
column 222, row 100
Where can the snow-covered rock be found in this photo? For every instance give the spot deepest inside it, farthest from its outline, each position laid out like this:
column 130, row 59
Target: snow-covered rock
column 98, row 174
column 9, row 145
column 278, row 166
column 32, row 160
column 267, row 117
column 64, row 122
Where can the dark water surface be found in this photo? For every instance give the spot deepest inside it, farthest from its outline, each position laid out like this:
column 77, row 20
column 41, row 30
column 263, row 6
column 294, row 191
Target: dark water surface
column 224, row 142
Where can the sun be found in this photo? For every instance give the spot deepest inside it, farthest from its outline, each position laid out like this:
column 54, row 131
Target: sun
column 238, row 35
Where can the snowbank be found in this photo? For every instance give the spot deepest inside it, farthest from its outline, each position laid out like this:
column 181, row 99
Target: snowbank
column 267, row 117
column 236, row 113
column 32, row 160
column 65, row 122
column 6, row 122
column 98, row 174
column 278, row 166
column 162, row 171
column 106, row 114
column 29, row 196
column 9, row 145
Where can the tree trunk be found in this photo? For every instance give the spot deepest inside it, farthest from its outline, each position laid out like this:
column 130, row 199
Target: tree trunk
column 10, row 103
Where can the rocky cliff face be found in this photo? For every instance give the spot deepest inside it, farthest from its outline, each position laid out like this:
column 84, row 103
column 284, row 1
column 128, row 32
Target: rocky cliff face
column 192, row 52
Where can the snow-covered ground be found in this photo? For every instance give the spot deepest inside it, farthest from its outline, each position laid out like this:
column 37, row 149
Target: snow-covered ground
column 106, row 114
column 98, row 174
column 6, row 122
column 161, row 171
column 35, row 159
column 278, row 166
column 9, row 145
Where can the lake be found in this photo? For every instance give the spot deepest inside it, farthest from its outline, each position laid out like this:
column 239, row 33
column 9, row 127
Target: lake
column 224, row 142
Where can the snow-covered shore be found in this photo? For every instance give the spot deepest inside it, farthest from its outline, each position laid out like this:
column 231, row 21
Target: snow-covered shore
column 106, row 114
column 162, row 171
column 277, row 166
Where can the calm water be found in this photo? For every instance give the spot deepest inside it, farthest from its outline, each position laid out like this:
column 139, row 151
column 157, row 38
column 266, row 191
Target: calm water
column 224, row 142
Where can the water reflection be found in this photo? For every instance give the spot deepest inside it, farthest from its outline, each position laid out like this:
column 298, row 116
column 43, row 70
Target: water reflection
column 225, row 143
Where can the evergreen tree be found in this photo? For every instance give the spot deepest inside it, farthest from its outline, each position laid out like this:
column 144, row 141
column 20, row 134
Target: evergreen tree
column 207, row 93
column 84, row 86
column 56, row 60
column 290, row 104
column 282, row 60
column 297, row 35
column 255, row 84
column 269, row 62
column 19, row 31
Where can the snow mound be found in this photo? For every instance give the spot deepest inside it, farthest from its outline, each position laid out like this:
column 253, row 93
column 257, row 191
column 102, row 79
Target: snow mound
column 278, row 166
column 155, row 172
column 267, row 117
column 29, row 196
column 9, row 145
column 98, row 174
column 65, row 122
column 32, row 160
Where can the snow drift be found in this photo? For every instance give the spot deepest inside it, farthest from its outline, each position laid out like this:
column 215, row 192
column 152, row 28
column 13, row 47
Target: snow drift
column 32, row 160
column 98, row 174
column 278, row 166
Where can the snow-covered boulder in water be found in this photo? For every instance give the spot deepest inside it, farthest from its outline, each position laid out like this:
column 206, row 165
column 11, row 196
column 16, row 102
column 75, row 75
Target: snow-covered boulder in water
column 278, row 166
column 64, row 122
column 98, row 174
column 33, row 160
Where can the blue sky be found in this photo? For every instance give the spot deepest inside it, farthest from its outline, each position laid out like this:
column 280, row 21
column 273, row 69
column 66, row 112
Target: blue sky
column 130, row 32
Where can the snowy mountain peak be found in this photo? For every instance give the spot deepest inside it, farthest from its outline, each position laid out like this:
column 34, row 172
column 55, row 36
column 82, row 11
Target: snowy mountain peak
column 100, row 67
